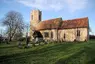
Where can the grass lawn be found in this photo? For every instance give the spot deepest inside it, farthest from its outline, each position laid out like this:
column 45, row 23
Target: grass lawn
column 52, row 53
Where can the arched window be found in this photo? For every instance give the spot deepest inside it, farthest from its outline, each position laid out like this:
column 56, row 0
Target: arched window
column 64, row 35
column 31, row 17
column 78, row 32
column 46, row 34
column 40, row 17
column 51, row 34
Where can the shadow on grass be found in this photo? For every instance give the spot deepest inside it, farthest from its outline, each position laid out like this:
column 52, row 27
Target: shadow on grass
column 73, row 59
column 5, row 47
column 47, row 54
column 84, row 56
column 11, row 45
column 44, row 52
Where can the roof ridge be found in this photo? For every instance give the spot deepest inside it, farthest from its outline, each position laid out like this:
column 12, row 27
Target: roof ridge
column 53, row 19
column 76, row 18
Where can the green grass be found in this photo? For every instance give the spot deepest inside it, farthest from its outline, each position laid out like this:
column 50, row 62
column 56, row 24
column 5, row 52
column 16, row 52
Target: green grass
column 53, row 53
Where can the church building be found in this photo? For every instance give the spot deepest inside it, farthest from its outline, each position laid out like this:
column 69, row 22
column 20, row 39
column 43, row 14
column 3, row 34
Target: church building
column 58, row 29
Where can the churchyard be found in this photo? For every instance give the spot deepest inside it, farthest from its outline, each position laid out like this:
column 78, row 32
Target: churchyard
column 51, row 53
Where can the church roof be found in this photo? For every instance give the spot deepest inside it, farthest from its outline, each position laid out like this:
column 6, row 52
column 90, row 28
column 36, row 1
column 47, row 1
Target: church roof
column 75, row 23
column 48, row 24
column 58, row 23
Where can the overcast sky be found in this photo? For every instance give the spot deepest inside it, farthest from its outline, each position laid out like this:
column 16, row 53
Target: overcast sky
column 67, row 9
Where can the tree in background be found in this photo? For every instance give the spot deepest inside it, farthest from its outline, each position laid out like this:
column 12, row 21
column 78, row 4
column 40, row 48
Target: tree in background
column 58, row 25
column 14, row 22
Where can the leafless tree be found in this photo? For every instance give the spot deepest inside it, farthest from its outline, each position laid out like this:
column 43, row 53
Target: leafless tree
column 58, row 25
column 14, row 22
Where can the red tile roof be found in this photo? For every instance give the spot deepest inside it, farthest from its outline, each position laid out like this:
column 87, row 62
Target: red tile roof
column 75, row 23
column 63, row 24
column 48, row 24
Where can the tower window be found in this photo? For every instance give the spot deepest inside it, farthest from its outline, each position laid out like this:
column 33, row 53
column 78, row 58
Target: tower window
column 40, row 17
column 31, row 17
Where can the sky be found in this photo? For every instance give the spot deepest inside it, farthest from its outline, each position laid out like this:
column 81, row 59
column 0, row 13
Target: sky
column 67, row 9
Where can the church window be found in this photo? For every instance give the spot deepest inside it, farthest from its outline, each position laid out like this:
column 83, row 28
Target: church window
column 32, row 17
column 64, row 35
column 40, row 17
column 46, row 34
column 51, row 34
column 78, row 32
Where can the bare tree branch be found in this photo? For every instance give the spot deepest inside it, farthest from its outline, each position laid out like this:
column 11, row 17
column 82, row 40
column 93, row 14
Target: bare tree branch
column 14, row 22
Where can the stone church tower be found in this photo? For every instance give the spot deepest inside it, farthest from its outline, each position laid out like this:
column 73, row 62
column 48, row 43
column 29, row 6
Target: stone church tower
column 35, row 18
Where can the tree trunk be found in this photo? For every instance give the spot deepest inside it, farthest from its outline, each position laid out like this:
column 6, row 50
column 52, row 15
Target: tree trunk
column 57, row 34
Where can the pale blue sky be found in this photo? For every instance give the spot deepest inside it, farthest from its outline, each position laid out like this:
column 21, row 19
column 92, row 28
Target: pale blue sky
column 67, row 9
